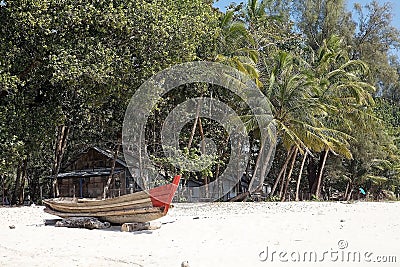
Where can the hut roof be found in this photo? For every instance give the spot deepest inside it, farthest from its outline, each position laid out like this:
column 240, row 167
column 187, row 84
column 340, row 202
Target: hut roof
column 88, row 173
column 106, row 153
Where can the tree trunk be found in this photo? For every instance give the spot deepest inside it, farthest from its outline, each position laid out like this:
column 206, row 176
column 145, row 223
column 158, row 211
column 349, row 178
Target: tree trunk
column 203, row 150
column 15, row 194
column 194, row 126
column 217, row 170
column 2, row 190
column 283, row 197
column 61, row 144
column 299, row 178
column 312, row 175
column 21, row 191
column 264, row 167
column 140, row 158
column 347, row 190
column 282, row 183
column 349, row 194
column 256, row 166
column 321, row 171
column 283, row 169
column 110, row 178
column 314, row 170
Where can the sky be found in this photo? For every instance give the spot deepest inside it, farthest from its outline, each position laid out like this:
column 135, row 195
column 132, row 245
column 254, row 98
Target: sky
column 350, row 3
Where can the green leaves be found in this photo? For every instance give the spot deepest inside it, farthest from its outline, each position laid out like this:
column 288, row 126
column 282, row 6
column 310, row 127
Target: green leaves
column 63, row 62
column 78, row 64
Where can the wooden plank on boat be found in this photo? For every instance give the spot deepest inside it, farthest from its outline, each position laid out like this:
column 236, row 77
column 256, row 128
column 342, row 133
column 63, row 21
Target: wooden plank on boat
column 74, row 202
column 106, row 213
column 135, row 204
column 119, row 199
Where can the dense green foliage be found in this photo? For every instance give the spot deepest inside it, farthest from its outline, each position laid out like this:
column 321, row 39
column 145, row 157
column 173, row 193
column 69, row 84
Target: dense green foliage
column 68, row 70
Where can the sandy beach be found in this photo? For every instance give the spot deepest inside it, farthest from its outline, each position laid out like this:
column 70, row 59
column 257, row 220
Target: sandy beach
column 215, row 234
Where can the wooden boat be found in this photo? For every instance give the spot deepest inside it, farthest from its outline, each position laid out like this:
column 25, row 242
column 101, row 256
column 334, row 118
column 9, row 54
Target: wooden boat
column 141, row 206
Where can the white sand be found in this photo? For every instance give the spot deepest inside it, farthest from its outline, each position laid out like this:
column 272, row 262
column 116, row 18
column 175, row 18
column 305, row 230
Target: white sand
column 213, row 234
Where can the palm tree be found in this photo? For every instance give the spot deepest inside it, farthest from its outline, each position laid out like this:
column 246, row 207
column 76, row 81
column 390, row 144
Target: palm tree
column 296, row 113
column 310, row 107
column 236, row 47
column 338, row 85
column 254, row 11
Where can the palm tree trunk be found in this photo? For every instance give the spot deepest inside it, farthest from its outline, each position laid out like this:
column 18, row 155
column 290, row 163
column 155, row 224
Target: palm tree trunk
column 299, row 178
column 265, row 165
column 282, row 183
column 257, row 166
column 283, row 169
column 347, row 190
column 259, row 158
column 243, row 195
column 290, row 174
column 312, row 175
column 349, row 194
column 318, row 190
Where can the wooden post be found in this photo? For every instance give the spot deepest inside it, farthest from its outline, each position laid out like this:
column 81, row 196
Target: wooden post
column 80, row 187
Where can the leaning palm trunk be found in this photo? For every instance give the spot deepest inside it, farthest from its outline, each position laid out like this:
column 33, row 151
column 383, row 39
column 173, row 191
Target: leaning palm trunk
column 289, row 155
column 283, row 196
column 318, row 190
column 261, row 162
column 347, row 190
column 257, row 166
column 263, row 169
column 299, row 178
column 282, row 183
